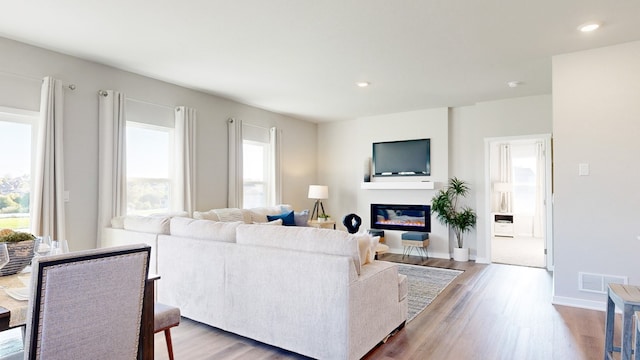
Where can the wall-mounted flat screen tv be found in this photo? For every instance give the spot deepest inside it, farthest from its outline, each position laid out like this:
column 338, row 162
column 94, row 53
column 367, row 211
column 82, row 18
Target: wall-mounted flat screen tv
column 402, row 158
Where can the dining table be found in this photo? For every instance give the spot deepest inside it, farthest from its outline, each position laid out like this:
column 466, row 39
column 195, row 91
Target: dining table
column 13, row 311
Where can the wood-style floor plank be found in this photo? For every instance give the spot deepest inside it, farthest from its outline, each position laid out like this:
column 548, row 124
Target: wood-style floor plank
column 488, row 312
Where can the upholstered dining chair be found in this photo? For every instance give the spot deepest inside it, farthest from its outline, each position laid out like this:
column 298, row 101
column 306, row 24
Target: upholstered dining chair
column 87, row 304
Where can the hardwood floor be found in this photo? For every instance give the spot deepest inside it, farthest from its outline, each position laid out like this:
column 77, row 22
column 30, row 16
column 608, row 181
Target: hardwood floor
column 488, row 312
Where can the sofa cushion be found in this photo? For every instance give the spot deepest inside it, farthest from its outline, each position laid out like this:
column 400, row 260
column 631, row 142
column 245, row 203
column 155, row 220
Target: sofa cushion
column 325, row 241
column 148, row 224
column 204, row 229
column 286, row 217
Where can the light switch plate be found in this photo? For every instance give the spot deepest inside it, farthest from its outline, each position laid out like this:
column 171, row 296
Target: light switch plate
column 583, row 169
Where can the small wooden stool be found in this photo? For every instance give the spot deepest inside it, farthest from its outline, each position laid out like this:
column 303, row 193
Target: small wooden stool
column 415, row 240
column 627, row 298
column 164, row 318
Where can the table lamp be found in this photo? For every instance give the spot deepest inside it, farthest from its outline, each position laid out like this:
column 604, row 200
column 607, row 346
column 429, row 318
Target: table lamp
column 318, row 192
column 503, row 188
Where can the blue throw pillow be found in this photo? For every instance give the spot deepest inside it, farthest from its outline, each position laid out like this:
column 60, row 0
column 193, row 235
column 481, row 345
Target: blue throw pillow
column 287, row 218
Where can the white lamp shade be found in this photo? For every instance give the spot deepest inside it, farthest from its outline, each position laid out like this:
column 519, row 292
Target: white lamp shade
column 318, row 192
column 502, row 187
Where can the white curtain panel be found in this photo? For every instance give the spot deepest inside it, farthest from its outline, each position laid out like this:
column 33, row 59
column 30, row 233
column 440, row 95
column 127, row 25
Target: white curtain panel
column 235, row 163
column 275, row 193
column 505, row 172
column 112, row 177
column 185, row 160
column 538, row 217
column 47, row 204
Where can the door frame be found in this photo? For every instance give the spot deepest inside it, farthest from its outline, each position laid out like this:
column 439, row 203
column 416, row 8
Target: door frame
column 548, row 226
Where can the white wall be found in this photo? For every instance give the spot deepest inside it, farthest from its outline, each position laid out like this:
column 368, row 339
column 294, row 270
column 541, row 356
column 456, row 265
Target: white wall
column 457, row 149
column 596, row 110
column 21, row 67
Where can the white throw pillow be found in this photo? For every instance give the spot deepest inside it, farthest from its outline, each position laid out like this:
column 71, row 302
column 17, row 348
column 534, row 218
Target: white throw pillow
column 275, row 222
column 206, row 215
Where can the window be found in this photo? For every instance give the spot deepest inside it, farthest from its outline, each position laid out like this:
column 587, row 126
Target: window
column 255, row 173
column 17, row 139
column 149, row 160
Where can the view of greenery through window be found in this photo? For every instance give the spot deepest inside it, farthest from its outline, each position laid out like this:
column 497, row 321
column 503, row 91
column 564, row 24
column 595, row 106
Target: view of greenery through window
column 15, row 174
column 148, row 163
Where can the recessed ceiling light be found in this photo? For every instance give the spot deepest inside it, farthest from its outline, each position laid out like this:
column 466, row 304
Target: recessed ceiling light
column 363, row 84
column 588, row 27
column 513, row 84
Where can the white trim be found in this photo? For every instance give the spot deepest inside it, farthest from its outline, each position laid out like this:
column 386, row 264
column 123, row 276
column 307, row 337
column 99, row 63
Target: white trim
column 579, row 303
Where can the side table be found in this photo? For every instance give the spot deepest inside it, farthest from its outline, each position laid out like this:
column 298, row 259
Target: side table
column 627, row 299
column 322, row 224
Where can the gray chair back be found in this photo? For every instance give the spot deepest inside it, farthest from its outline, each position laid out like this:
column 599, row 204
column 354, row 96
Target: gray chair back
column 87, row 304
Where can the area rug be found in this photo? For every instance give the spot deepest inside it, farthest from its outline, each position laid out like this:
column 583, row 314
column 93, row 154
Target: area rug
column 425, row 283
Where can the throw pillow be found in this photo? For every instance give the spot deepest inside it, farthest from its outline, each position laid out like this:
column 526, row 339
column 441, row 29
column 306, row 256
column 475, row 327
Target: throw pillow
column 287, row 218
column 301, row 218
column 274, row 222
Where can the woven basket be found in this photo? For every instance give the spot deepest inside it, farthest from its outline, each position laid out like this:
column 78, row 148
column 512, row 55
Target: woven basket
column 20, row 255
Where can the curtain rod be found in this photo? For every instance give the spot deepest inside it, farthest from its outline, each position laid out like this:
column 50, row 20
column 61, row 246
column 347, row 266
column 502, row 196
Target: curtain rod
column 28, row 77
column 105, row 93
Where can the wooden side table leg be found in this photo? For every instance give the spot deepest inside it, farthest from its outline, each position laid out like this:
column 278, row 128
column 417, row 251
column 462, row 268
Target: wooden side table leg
column 637, row 351
column 608, row 332
column 627, row 333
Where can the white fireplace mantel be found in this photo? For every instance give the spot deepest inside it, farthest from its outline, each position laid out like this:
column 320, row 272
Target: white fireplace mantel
column 397, row 185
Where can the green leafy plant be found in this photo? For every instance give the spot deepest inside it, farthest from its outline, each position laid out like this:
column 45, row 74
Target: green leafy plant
column 16, row 236
column 445, row 205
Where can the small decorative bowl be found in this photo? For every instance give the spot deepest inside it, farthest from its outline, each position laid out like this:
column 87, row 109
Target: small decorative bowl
column 20, row 255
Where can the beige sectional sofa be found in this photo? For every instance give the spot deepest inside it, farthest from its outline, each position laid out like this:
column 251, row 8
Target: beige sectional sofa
column 316, row 292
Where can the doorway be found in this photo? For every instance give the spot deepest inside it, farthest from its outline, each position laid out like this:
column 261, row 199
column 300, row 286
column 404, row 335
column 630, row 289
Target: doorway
column 519, row 201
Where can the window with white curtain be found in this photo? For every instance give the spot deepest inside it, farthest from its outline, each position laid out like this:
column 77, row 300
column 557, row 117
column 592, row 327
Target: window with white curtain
column 17, row 142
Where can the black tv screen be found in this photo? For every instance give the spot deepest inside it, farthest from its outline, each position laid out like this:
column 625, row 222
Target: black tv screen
column 402, row 158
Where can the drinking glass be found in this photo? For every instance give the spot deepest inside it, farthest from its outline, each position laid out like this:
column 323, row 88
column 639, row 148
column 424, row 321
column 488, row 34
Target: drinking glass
column 4, row 255
column 59, row 247
column 44, row 247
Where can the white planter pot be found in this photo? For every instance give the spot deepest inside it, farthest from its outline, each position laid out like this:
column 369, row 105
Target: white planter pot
column 460, row 254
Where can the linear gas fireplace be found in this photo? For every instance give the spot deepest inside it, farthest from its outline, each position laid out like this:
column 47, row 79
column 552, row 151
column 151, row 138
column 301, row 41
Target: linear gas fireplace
column 401, row 217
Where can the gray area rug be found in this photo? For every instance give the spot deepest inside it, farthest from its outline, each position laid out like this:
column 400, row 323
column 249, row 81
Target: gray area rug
column 425, row 283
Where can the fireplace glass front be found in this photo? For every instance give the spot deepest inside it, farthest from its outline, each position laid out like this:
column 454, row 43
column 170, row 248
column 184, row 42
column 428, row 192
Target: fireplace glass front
column 401, row 217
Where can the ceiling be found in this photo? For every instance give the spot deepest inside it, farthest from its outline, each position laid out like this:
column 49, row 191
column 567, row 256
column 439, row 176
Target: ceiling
column 303, row 57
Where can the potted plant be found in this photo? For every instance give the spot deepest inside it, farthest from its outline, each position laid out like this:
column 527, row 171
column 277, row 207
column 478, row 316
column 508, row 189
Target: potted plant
column 460, row 219
column 20, row 246
column 324, row 217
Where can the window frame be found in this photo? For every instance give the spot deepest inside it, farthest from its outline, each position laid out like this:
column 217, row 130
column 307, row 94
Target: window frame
column 22, row 116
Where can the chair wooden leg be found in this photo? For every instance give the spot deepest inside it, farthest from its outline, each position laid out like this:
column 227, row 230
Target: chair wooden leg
column 167, row 337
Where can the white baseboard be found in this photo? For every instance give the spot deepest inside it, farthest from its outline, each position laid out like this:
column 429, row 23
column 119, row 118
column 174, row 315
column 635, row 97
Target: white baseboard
column 481, row 260
column 579, row 303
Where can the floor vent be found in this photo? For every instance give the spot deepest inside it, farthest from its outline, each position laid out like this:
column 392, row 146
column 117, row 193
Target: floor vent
column 598, row 283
